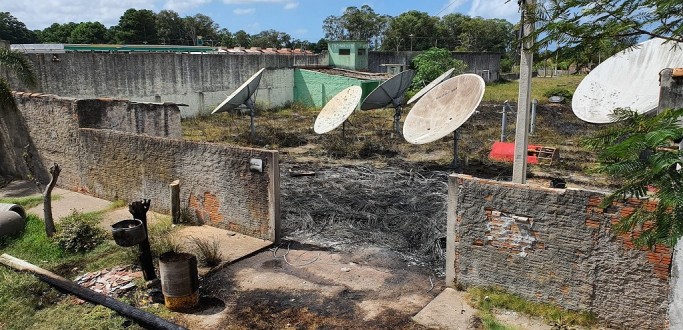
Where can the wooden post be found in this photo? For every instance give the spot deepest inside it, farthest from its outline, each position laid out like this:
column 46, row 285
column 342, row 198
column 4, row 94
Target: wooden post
column 175, row 201
column 143, row 318
column 50, row 229
column 526, row 65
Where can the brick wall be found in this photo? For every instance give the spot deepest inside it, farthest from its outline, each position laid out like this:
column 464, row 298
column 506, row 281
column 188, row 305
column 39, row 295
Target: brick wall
column 117, row 149
column 557, row 246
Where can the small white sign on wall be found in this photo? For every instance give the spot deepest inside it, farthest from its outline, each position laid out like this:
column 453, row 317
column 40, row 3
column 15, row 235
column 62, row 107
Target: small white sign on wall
column 256, row 165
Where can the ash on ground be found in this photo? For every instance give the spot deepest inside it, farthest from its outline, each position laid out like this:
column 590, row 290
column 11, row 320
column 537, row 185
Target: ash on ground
column 346, row 207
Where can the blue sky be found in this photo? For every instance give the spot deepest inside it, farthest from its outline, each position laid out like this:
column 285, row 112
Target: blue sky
column 302, row 19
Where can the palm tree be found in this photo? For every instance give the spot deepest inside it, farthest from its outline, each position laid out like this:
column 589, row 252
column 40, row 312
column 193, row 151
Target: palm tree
column 15, row 63
column 642, row 152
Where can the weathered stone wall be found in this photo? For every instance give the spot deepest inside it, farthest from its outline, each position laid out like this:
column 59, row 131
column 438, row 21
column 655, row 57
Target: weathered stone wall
column 216, row 181
column 198, row 80
column 486, row 65
column 558, row 246
column 116, row 149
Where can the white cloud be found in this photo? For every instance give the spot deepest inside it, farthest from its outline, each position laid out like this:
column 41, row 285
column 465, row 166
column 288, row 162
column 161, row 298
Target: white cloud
column 242, row 2
column 41, row 14
column 495, row 9
column 451, row 6
column 291, row 5
column 243, row 11
column 300, row 32
column 182, row 5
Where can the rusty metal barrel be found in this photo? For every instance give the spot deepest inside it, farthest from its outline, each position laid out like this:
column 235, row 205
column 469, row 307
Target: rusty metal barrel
column 179, row 280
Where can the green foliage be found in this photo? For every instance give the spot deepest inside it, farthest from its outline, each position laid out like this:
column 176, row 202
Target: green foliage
column 558, row 91
column 586, row 22
column 169, row 27
column 80, row 232
column 640, row 151
column 33, row 244
column 15, row 31
column 425, row 29
column 486, row 299
column 356, row 24
column 432, row 63
column 200, row 25
column 270, row 39
column 136, row 27
column 88, row 33
column 57, row 33
column 242, row 39
column 478, row 34
column 27, row 202
column 16, row 64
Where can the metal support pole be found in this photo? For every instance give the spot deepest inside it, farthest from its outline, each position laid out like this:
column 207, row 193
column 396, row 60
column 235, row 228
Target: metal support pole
column 397, row 120
column 456, row 137
column 534, row 105
column 251, row 105
column 504, row 123
column 526, row 64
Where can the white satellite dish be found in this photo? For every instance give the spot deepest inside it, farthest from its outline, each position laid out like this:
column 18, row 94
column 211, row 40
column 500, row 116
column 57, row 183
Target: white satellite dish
column 431, row 85
column 243, row 95
column 628, row 79
column 338, row 109
column 443, row 110
column 390, row 92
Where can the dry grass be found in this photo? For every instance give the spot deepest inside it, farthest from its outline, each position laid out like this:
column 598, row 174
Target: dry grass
column 499, row 92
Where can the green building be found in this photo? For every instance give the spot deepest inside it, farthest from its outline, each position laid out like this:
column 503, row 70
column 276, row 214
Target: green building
column 316, row 88
column 352, row 55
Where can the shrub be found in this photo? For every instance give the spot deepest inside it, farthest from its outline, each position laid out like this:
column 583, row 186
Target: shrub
column 558, row 91
column 80, row 232
column 208, row 251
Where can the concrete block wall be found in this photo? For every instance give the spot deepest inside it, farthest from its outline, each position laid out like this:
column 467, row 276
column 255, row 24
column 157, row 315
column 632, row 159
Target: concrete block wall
column 198, row 80
column 116, row 149
column 217, row 184
column 485, row 64
column 557, row 246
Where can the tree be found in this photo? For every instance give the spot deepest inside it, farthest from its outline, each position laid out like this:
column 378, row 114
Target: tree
column 57, row 33
column 169, row 27
column 202, row 26
column 16, row 64
column 15, row 31
column 225, row 38
column 271, row 39
column 416, row 29
column 320, row 46
column 242, row 39
column 356, row 24
column 573, row 22
column 432, row 63
column 88, row 33
column 136, row 27
column 638, row 151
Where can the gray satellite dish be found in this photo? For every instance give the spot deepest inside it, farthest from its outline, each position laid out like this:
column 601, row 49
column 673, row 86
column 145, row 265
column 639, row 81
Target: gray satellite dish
column 338, row 109
column 390, row 92
column 243, row 95
column 443, row 110
column 431, row 85
column 628, row 79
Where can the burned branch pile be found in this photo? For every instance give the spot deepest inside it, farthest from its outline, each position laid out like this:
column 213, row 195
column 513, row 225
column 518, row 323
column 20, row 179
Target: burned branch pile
column 402, row 210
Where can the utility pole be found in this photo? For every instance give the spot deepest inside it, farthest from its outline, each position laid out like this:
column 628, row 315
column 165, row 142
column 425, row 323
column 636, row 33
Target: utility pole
column 526, row 63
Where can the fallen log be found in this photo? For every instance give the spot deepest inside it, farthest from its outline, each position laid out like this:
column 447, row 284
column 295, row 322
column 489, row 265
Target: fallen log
column 141, row 317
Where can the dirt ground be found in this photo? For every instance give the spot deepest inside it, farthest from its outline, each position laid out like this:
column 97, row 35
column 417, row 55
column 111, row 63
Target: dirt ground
column 301, row 286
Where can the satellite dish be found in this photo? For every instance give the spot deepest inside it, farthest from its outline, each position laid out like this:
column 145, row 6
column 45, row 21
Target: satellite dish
column 431, row 85
column 338, row 109
column 243, row 95
column 443, row 109
column 628, row 79
column 390, row 92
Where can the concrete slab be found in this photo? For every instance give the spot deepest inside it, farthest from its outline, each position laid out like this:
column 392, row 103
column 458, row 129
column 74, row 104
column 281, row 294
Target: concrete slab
column 232, row 245
column 448, row 311
column 69, row 201
column 19, row 188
